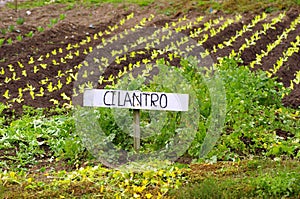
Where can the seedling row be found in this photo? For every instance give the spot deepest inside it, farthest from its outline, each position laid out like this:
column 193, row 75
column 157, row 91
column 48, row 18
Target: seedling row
column 242, row 37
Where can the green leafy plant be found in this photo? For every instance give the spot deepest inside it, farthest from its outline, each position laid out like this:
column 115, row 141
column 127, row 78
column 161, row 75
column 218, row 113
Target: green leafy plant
column 284, row 184
column 62, row 16
column 11, row 28
column 19, row 37
column 36, row 136
column 40, row 29
column 2, row 40
column 3, row 31
column 20, row 21
column 52, row 22
column 258, row 178
column 30, row 34
column 9, row 41
column 253, row 101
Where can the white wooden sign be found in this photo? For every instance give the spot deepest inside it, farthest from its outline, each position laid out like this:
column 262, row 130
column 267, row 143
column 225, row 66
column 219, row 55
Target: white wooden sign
column 135, row 99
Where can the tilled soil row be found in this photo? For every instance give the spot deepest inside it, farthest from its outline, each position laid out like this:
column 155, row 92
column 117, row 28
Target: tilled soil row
column 65, row 33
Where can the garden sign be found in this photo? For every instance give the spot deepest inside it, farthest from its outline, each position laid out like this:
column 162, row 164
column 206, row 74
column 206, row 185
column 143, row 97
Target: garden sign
column 135, row 100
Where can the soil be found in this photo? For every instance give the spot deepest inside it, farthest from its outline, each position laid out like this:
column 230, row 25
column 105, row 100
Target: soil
column 82, row 21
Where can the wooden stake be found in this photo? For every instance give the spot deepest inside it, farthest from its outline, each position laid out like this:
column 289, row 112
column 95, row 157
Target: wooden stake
column 16, row 5
column 137, row 130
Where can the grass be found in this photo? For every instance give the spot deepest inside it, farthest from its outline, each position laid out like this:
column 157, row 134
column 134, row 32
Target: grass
column 262, row 178
column 176, row 6
column 71, row 3
column 256, row 178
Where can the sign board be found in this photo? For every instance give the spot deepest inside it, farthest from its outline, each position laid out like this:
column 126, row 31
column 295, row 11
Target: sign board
column 135, row 100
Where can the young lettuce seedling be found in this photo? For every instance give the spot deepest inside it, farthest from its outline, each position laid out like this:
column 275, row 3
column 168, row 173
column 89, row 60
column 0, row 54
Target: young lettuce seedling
column 40, row 29
column 19, row 38
column 20, row 21
column 2, row 41
column 30, row 34
column 11, row 28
